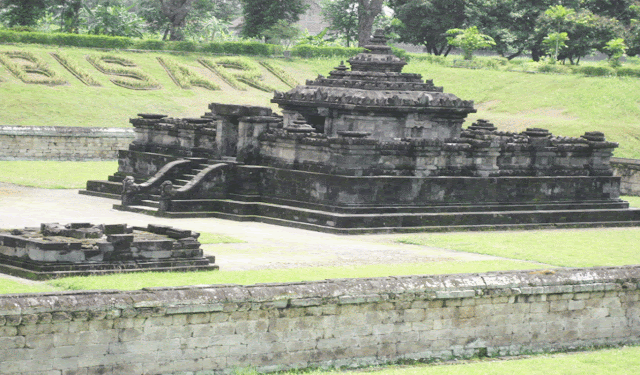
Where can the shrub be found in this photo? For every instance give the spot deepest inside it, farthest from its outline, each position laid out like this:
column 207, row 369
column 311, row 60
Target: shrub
column 39, row 69
column 7, row 36
column 116, row 42
column 149, row 44
column 430, row 58
column 249, row 48
column 185, row 46
column 554, row 68
column 401, row 53
column 65, row 39
column 74, row 69
column 134, row 79
column 221, row 72
column 308, row 51
column 628, row 72
column 213, row 48
column 281, row 74
column 596, row 70
column 186, row 77
column 499, row 60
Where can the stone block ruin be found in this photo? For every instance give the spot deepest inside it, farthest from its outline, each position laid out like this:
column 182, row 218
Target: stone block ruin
column 75, row 249
column 369, row 149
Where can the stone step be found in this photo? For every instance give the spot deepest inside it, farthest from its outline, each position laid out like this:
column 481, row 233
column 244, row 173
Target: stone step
column 399, row 222
column 150, row 203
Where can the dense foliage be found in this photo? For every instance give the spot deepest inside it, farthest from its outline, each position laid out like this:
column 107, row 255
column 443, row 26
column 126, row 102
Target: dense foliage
column 262, row 15
column 543, row 28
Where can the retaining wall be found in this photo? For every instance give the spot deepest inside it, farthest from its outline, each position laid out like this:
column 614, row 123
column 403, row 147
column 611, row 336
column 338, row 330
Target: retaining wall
column 629, row 171
column 62, row 143
column 207, row 329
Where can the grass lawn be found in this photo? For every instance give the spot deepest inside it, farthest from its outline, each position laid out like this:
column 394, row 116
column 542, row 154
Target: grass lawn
column 563, row 248
column 10, row 287
column 567, row 105
column 55, row 174
column 157, row 279
column 623, row 361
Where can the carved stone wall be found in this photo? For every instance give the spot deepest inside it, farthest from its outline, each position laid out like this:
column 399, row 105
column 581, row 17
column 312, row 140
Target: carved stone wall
column 629, row 172
column 478, row 153
column 347, row 322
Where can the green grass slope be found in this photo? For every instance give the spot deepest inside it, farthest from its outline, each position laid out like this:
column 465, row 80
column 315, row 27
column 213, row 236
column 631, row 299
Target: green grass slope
column 567, row 105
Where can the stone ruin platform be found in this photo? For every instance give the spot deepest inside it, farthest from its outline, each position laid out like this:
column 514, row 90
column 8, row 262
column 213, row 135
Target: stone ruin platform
column 366, row 150
column 80, row 249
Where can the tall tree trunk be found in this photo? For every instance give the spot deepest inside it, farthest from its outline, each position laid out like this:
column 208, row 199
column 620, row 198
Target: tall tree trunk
column 176, row 11
column 368, row 10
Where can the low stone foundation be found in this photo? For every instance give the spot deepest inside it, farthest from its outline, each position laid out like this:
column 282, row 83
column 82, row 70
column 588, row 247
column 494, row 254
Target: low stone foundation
column 76, row 249
column 62, row 143
column 346, row 322
column 629, row 172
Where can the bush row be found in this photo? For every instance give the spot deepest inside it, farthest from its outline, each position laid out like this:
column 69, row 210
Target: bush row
column 103, row 41
column 521, row 65
column 309, row 51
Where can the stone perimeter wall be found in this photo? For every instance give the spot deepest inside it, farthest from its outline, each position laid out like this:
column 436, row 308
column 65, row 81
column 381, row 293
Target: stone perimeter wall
column 62, row 143
column 629, row 172
column 211, row 329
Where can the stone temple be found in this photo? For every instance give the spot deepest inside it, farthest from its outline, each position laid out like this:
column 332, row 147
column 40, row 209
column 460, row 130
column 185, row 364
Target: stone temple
column 366, row 149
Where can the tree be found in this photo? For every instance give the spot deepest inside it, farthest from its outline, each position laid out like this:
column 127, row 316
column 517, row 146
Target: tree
column 210, row 19
column 632, row 33
column 555, row 42
column 176, row 12
column 114, row 20
column 511, row 23
column 586, row 31
column 622, row 10
column 469, row 40
column 22, row 12
column 342, row 17
column 282, row 32
column 368, row 10
column 260, row 15
column 615, row 49
column 425, row 22
column 68, row 13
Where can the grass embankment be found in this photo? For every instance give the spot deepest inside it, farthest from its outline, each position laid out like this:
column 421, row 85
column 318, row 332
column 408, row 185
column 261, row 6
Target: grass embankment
column 623, row 361
column 562, row 248
column 567, row 105
column 155, row 279
column 55, row 174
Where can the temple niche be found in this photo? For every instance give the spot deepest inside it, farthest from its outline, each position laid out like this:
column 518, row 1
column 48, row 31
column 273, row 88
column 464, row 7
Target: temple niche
column 366, row 149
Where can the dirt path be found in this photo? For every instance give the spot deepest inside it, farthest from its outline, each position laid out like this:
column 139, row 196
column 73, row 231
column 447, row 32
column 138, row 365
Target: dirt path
column 264, row 246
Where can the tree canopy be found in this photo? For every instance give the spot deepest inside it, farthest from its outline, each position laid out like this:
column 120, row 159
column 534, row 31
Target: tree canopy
column 425, row 22
column 262, row 15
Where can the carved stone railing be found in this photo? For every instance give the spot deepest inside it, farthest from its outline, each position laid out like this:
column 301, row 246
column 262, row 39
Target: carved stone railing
column 133, row 193
column 210, row 183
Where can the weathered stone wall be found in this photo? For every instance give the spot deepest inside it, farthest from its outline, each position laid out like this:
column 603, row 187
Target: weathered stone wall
column 479, row 153
column 62, row 143
column 335, row 322
column 325, row 189
column 629, row 172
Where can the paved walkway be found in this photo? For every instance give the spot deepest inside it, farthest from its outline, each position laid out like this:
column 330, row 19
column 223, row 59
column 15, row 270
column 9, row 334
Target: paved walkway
column 264, row 246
